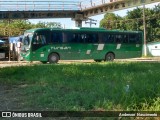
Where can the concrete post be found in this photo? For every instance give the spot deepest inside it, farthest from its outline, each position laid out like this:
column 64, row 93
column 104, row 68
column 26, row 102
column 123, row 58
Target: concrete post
column 78, row 23
column 144, row 25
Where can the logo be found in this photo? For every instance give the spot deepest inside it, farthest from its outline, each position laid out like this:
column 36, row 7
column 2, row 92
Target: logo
column 61, row 48
column 6, row 114
column 20, row 114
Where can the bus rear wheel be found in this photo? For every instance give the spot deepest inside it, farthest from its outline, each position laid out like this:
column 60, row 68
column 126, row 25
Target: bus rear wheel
column 109, row 57
column 53, row 58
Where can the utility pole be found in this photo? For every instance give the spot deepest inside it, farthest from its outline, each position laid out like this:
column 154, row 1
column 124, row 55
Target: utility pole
column 91, row 21
column 144, row 25
column 9, row 43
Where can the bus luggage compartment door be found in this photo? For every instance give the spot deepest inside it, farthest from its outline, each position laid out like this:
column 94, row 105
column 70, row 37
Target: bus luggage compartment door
column 2, row 55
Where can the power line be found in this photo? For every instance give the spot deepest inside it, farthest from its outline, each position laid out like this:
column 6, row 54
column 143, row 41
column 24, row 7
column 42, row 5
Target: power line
column 91, row 21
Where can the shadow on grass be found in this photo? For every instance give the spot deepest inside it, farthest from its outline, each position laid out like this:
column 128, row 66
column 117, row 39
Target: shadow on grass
column 79, row 87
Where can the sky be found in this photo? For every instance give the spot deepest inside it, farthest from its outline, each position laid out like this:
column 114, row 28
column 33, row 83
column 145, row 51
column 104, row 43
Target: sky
column 68, row 23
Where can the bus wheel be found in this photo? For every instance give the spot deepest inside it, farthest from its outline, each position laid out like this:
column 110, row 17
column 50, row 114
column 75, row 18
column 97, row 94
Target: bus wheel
column 53, row 58
column 109, row 57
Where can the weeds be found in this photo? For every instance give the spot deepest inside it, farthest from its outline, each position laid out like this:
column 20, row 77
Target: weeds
column 103, row 86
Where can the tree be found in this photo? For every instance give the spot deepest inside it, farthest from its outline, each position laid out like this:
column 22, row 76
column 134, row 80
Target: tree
column 134, row 21
column 17, row 27
column 156, row 23
column 48, row 25
column 40, row 25
column 53, row 25
column 110, row 21
column 14, row 27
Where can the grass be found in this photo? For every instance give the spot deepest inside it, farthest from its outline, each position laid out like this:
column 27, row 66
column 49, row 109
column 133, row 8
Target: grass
column 95, row 86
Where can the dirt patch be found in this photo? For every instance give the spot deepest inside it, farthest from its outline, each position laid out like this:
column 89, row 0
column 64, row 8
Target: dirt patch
column 16, row 63
column 13, row 99
column 10, row 98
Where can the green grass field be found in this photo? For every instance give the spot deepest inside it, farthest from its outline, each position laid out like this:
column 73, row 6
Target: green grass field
column 88, row 86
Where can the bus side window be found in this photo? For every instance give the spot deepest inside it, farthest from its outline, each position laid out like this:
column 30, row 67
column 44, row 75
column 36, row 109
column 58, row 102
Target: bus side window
column 79, row 38
column 88, row 38
column 39, row 39
column 75, row 38
column 64, row 34
column 105, row 38
column 56, row 37
column 94, row 38
column 100, row 38
column 91, row 38
column 132, row 38
column 109, row 38
column 83, row 38
column 70, row 37
column 118, row 38
column 43, row 39
column 139, row 38
column 125, row 38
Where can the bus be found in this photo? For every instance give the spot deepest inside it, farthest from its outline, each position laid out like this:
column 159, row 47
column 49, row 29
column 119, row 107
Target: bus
column 54, row 44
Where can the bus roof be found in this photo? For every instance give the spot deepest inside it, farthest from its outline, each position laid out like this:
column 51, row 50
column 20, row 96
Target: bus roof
column 81, row 29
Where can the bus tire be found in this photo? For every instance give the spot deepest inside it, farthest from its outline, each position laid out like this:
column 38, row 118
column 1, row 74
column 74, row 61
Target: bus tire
column 109, row 56
column 53, row 58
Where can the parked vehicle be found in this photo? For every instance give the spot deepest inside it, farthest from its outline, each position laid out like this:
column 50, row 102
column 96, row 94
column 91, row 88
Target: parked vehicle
column 3, row 49
column 99, row 44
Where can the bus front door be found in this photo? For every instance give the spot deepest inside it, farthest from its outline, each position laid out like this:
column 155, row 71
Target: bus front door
column 39, row 47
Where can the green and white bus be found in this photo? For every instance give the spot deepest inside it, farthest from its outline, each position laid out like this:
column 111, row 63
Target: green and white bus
column 53, row 44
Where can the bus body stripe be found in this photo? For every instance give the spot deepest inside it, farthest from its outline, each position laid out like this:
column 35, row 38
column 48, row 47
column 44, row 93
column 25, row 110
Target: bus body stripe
column 137, row 45
column 118, row 46
column 100, row 47
column 88, row 52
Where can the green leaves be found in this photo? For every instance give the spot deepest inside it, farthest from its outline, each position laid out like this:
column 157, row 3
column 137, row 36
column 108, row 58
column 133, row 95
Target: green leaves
column 109, row 21
column 17, row 27
column 134, row 21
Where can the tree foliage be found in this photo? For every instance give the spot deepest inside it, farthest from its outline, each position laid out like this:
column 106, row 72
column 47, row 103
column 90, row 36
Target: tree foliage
column 134, row 21
column 110, row 21
column 17, row 27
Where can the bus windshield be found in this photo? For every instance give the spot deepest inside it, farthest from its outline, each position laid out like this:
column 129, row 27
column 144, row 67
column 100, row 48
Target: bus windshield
column 27, row 39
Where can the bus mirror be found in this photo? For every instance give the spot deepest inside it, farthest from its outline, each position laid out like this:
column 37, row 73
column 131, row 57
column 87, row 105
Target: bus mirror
column 26, row 49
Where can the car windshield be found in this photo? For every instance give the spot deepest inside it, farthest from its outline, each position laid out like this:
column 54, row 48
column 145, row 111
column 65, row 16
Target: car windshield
column 27, row 38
